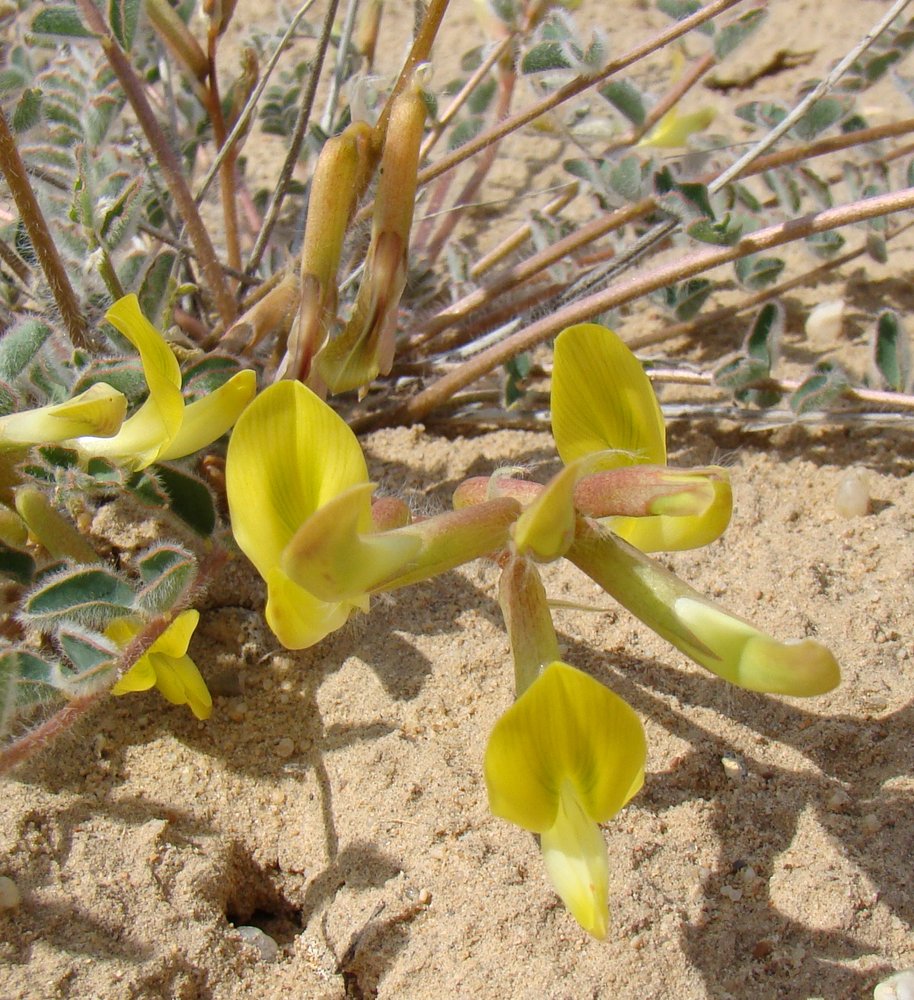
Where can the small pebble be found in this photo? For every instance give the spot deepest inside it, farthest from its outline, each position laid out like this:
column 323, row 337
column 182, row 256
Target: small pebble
column 825, row 321
column 10, row 896
column 732, row 894
column 285, row 747
column 897, row 987
column 871, row 823
column 254, row 936
column 838, row 801
column 762, row 949
column 425, row 897
column 732, row 767
column 237, row 710
column 852, row 498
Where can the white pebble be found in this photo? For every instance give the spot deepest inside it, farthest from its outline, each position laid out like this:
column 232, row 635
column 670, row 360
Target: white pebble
column 897, row 987
column 254, row 936
column 10, row 896
column 825, row 321
column 285, row 747
column 852, row 498
column 731, row 893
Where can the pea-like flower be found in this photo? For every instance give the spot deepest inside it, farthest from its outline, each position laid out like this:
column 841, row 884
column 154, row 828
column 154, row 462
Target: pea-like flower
column 567, row 756
column 165, row 665
column 99, row 410
column 164, row 427
column 300, row 504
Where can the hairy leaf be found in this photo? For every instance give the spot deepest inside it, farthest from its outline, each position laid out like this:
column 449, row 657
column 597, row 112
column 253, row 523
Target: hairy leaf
column 819, row 390
column 892, row 352
column 627, row 99
column 732, row 35
column 60, row 19
column 91, row 595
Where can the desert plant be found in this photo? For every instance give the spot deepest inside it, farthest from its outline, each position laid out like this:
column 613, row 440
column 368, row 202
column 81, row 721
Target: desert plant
column 116, row 119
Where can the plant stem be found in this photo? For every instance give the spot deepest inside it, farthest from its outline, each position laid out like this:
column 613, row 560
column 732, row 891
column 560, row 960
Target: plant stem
column 634, row 287
column 419, row 53
column 167, row 158
column 36, row 226
column 295, row 142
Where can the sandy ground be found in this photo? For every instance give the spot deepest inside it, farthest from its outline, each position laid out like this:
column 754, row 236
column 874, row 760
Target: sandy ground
column 335, row 798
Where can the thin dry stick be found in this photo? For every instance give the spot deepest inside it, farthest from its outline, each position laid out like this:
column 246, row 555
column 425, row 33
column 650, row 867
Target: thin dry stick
column 506, row 84
column 462, row 95
column 295, row 142
column 419, row 53
column 170, row 165
column 522, row 233
column 718, row 316
column 235, row 138
column 36, row 226
column 634, row 287
column 339, row 70
column 872, row 397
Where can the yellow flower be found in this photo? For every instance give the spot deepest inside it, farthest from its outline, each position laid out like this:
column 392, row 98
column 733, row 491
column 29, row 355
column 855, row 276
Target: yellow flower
column 564, row 758
column 165, row 664
column 605, row 416
column 163, row 427
column 99, row 410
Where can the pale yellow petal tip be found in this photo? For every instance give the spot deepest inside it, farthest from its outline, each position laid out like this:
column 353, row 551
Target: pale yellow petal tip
column 803, row 668
column 574, row 853
column 741, row 654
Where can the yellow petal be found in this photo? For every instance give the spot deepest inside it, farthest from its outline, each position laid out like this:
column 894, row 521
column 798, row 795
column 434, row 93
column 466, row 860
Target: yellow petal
column 140, row 677
column 566, row 727
column 575, row 856
column 546, row 528
column 180, row 682
column 602, row 399
column 673, row 129
column 176, row 638
column 289, row 454
column 150, row 430
column 298, row 618
column 668, row 533
column 207, row 419
column 99, row 410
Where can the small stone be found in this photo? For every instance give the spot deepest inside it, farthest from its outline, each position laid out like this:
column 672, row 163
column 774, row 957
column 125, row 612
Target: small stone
column 278, row 797
column 825, row 321
column 732, row 767
column 871, row 823
column 852, row 498
column 285, row 747
column 425, row 897
column 237, row 710
column 256, row 938
column 225, row 682
column 735, row 895
column 838, row 801
column 762, row 949
column 10, row 896
column 897, row 987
